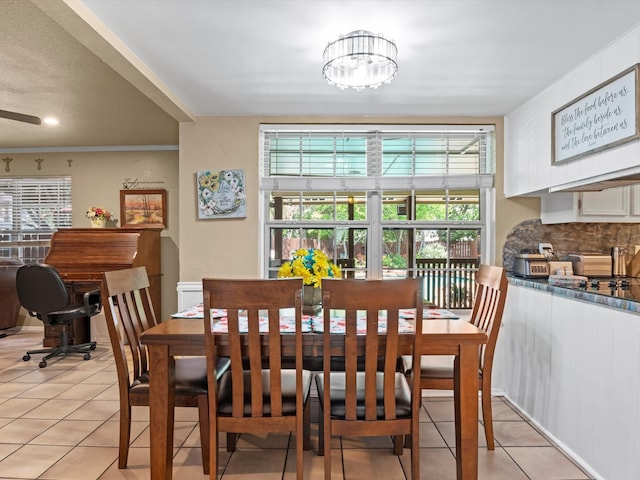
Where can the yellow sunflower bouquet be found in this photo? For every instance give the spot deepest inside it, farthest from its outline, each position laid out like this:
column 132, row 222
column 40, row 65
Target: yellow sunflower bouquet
column 312, row 265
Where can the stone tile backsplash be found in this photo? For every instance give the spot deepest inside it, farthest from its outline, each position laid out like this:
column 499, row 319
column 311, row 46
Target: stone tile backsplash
column 569, row 238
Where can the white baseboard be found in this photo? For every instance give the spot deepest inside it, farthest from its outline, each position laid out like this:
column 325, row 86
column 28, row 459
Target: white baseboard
column 570, row 453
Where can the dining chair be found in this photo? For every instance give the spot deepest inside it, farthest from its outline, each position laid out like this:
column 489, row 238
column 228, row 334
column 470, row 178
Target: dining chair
column 366, row 400
column 256, row 395
column 348, row 267
column 436, row 371
column 129, row 312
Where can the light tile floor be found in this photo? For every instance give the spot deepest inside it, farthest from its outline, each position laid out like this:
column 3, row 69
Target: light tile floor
column 61, row 423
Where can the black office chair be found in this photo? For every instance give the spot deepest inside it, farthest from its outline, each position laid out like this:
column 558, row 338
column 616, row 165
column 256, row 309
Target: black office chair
column 43, row 294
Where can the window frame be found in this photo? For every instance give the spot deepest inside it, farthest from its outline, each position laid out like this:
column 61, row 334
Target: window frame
column 374, row 184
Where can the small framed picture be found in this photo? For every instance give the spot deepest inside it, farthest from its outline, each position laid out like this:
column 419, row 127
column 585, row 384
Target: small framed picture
column 221, row 194
column 143, row 208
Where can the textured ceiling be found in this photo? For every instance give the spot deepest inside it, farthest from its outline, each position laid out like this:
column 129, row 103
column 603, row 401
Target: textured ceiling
column 179, row 58
column 46, row 71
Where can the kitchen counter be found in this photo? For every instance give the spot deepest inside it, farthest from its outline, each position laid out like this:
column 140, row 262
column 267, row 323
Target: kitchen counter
column 568, row 359
column 628, row 300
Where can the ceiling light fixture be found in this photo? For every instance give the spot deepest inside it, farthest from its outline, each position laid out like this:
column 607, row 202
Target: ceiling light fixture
column 360, row 60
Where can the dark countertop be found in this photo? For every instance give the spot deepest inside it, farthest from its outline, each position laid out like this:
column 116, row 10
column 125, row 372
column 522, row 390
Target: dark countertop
column 628, row 304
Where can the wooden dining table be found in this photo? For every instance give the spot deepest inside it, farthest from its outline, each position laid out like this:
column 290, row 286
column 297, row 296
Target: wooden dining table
column 185, row 337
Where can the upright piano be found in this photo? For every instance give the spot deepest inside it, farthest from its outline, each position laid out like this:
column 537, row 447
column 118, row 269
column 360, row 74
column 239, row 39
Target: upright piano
column 81, row 255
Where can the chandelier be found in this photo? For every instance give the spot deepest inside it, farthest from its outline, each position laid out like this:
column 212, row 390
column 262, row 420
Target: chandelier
column 360, row 60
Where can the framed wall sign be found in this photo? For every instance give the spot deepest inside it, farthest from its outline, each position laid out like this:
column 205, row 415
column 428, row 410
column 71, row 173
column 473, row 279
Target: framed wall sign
column 602, row 118
column 221, row 194
column 143, row 208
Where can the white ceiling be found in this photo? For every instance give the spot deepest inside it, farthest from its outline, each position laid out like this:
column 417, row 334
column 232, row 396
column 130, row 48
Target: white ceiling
column 264, row 57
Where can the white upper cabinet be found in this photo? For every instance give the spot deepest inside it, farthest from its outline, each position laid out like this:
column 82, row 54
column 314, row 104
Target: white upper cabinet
column 620, row 204
column 528, row 167
column 611, row 202
column 635, row 200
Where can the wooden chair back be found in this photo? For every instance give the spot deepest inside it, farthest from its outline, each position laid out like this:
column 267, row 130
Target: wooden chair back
column 448, row 282
column 129, row 312
column 437, row 372
column 365, row 411
column 488, row 306
column 258, row 404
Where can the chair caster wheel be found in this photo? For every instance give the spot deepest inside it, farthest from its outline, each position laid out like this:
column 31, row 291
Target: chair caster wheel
column 42, row 364
column 86, row 356
column 26, row 357
column 92, row 346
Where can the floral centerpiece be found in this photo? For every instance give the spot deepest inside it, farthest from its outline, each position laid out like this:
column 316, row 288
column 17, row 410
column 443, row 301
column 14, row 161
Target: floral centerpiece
column 99, row 216
column 312, row 265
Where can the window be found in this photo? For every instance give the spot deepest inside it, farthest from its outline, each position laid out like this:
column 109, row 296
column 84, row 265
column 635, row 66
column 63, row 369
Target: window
column 388, row 201
column 31, row 209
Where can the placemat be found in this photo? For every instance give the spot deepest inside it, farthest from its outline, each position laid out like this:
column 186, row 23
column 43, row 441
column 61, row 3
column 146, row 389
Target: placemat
column 338, row 325
column 431, row 313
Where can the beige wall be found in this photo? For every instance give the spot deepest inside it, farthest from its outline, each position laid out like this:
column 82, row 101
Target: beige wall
column 509, row 211
column 231, row 247
column 97, row 180
column 192, row 248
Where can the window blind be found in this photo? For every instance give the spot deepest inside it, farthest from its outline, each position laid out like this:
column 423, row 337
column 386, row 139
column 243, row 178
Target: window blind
column 31, row 209
column 373, row 158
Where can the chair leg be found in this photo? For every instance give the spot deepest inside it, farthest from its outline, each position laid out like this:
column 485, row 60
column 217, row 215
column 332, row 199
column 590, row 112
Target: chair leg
column 301, row 440
column 63, row 349
column 398, row 441
column 307, row 426
column 58, row 352
column 232, row 440
column 487, row 417
column 203, row 420
column 125, row 435
column 82, row 347
column 213, row 447
column 35, row 352
column 326, row 441
column 321, row 434
column 415, row 452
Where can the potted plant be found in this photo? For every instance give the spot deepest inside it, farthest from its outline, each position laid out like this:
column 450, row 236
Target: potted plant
column 99, row 217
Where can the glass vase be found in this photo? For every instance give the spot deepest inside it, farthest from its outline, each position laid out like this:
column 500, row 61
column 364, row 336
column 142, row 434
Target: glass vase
column 311, row 300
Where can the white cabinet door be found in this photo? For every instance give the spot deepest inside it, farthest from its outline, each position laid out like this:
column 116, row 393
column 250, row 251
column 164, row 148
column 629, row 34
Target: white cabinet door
column 610, row 205
column 609, row 202
column 635, row 200
column 560, row 207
